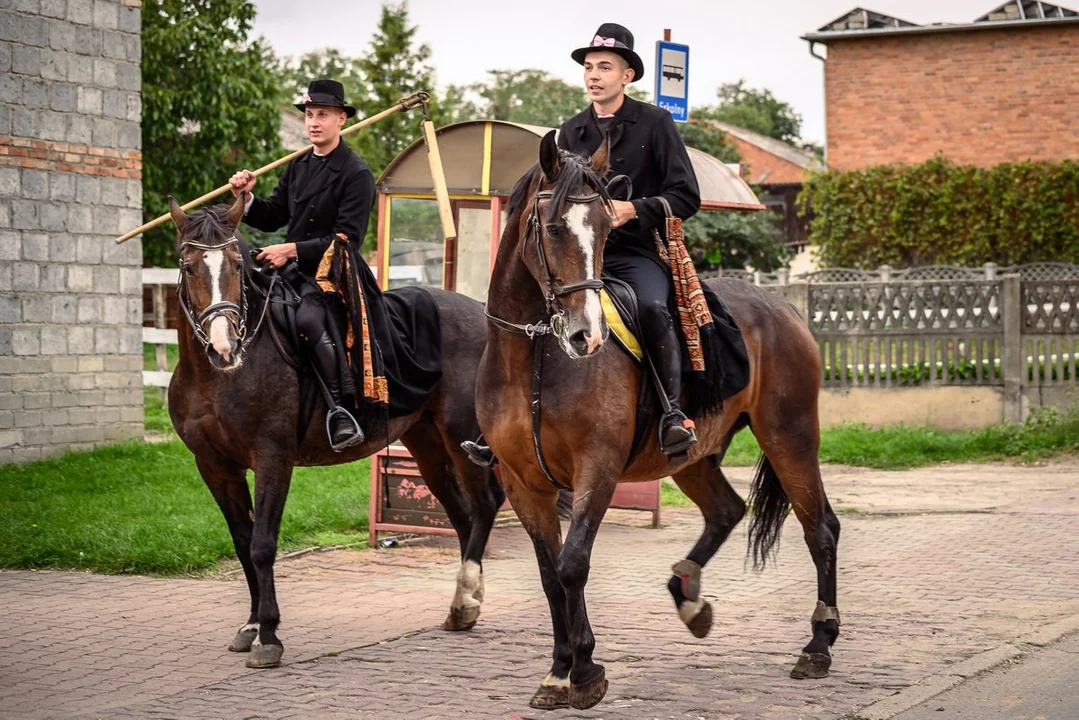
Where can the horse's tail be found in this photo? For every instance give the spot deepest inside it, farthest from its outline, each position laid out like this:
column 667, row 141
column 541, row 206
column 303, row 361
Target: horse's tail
column 769, row 505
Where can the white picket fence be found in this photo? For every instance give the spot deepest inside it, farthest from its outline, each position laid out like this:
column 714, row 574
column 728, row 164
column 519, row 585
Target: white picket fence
column 162, row 281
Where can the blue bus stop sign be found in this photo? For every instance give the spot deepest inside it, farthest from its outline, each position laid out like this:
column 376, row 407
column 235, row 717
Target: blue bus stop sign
column 672, row 79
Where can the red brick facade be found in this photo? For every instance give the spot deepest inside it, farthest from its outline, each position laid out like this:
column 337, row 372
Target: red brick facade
column 980, row 97
column 65, row 157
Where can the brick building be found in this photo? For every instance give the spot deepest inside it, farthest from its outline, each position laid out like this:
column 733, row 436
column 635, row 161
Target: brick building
column 70, row 182
column 1002, row 88
column 779, row 169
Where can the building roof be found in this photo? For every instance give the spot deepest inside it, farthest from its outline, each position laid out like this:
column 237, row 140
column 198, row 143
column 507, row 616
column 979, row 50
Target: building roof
column 772, row 146
column 860, row 23
column 487, row 157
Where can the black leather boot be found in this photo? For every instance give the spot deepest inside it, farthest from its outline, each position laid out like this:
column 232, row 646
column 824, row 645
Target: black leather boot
column 479, row 452
column 341, row 428
column 676, row 431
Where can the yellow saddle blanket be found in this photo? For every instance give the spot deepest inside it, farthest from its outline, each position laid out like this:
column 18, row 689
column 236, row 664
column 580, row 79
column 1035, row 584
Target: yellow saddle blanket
column 619, row 328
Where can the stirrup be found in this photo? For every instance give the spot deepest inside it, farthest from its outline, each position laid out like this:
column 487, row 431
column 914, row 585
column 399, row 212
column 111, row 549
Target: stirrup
column 684, row 445
column 479, row 454
column 357, row 436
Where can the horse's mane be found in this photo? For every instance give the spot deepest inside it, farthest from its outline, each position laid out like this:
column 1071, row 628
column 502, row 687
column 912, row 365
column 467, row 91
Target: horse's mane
column 574, row 171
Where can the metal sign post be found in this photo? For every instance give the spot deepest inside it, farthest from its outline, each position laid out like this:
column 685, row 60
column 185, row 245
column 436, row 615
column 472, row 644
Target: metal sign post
column 672, row 78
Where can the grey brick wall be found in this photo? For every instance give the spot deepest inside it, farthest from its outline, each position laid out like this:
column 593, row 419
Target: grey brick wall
column 70, row 182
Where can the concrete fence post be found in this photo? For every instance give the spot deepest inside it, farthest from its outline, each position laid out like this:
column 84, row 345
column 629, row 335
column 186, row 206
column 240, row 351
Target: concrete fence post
column 885, row 273
column 1013, row 358
column 990, row 271
column 783, row 275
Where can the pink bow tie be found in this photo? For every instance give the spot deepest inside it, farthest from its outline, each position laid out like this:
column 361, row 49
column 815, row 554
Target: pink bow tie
column 606, row 42
column 306, row 98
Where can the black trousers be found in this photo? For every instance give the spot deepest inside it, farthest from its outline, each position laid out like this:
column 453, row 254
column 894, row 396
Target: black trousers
column 311, row 316
column 651, row 282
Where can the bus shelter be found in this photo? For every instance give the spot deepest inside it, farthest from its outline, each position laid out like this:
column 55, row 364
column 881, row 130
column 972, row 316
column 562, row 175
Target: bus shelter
column 482, row 161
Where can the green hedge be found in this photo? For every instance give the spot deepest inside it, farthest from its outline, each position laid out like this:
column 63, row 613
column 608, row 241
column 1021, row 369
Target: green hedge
column 943, row 213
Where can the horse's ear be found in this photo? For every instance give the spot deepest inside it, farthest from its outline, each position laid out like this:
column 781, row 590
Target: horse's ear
column 236, row 212
column 601, row 159
column 178, row 215
column 549, row 157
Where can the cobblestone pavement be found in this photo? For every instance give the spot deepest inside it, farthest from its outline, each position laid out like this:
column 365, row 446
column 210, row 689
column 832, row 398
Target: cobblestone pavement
column 936, row 565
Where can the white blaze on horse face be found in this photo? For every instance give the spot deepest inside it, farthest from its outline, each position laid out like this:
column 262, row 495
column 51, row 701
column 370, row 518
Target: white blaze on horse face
column 219, row 327
column 586, row 238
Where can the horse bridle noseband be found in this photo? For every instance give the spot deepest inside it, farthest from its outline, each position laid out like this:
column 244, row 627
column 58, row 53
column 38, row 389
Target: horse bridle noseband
column 555, row 322
column 224, row 308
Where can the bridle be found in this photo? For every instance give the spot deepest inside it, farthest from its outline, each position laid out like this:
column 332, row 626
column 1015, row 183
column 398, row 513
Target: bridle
column 555, row 322
column 228, row 310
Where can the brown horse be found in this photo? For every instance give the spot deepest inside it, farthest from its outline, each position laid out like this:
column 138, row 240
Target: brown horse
column 543, row 284
column 236, row 405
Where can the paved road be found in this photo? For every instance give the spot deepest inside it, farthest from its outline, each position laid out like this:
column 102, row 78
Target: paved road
column 936, row 566
column 1043, row 685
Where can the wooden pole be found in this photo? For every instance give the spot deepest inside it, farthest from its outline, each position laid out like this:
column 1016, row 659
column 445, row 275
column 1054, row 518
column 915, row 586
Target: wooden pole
column 445, row 212
column 666, row 34
column 406, row 103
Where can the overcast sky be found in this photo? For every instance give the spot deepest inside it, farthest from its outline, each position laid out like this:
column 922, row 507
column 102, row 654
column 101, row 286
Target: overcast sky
column 728, row 40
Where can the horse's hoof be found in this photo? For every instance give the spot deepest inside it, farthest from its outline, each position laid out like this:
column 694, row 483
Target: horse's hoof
column 265, row 656
column 463, row 618
column 702, row 624
column 588, row 694
column 550, row 697
column 812, row 666
column 242, row 641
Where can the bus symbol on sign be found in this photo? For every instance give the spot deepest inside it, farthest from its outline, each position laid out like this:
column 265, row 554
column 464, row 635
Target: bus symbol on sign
column 673, row 73
column 672, row 79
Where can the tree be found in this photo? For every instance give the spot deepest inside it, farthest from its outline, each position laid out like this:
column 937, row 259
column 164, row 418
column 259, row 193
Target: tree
column 394, row 66
column 736, row 240
column 756, row 110
column 210, row 99
column 527, row 96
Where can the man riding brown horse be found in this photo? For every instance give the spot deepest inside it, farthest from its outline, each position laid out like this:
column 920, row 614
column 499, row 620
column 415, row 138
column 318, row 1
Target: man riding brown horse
column 649, row 159
column 325, row 198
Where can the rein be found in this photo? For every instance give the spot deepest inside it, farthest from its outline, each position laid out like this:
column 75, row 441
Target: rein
column 224, row 308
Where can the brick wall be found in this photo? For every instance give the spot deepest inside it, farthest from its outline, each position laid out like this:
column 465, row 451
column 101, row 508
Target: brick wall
column 70, row 182
column 981, row 97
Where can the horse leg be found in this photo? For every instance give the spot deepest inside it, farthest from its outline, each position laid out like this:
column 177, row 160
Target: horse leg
column 227, row 482
column 723, row 509
column 485, row 497
column 437, row 468
column 790, row 473
column 273, row 476
column 588, row 680
column 538, row 513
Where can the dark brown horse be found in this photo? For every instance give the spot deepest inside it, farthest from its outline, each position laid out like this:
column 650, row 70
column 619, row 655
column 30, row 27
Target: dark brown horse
column 589, row 395
column 235, row 403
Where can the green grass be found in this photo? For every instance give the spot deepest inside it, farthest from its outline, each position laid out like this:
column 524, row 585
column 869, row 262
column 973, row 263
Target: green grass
column 1046, row 433
column 142, row 508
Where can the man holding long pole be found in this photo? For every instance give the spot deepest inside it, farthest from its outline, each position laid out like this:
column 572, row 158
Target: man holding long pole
column 325, row 198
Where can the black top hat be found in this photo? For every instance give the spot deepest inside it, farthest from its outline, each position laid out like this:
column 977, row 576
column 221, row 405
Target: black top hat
column 613, row 38
column 326, row 92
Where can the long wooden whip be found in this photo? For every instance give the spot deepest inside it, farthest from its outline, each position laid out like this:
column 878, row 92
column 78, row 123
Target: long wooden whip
column 408, row 102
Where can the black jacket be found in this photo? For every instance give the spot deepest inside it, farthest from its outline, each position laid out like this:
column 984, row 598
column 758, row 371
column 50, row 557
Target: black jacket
column 318, row 204
column 646, row 146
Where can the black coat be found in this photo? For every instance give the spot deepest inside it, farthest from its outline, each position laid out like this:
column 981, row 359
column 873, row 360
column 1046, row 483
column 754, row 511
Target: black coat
column 645, row 146
column 318, row 204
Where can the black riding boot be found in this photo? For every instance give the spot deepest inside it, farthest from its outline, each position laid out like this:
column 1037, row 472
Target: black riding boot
column 479, row 452
column 341, row 427
column 676, row 433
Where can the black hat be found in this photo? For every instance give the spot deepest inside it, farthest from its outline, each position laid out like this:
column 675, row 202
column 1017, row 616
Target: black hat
column 326, row 92
column 612, row 37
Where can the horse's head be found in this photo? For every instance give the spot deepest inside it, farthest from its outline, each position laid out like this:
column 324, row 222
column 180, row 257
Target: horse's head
column 211, row 289
column 562, row 243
